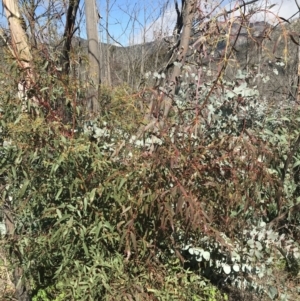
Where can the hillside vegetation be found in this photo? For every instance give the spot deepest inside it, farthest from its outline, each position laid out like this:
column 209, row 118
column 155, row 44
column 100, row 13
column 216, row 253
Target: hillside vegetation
column 183, row 185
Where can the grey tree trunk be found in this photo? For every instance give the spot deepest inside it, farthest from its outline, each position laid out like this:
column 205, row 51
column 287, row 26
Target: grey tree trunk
column 108, row 73
column 91, row 15
column 187, row 15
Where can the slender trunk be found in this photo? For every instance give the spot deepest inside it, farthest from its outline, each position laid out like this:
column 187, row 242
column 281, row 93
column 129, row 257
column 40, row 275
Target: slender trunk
column 128, row 75
column 108, row 76
column 68, row 34
column 160, row 37
column 65, row 54
column 102, row 60
column 30, row 11
column 187, row 19
column 247, row 51
column 165, row 101
column 142, row 69
column 94, row 53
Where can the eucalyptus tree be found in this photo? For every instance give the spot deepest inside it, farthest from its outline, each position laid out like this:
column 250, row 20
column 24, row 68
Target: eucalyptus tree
column 20, row 50
column 92, row 19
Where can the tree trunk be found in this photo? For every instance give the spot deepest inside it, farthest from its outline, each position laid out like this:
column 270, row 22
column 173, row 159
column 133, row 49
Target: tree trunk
column 29, row 12
column 108, row 73
column 19, row 40
column 94, row 53
column 188, row 9
column 68, row 34
column 161, row 101
column 21, row 52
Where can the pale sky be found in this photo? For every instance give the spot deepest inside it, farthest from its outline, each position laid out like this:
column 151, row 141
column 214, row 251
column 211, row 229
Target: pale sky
column 282, row 8
column 130, row 20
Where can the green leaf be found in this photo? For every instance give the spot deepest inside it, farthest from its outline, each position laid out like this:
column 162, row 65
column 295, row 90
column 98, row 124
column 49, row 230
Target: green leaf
column 123, row 180
column 85, row 203
column 258, row 245
column 258, row 254
column 250, row 243
column 70, row 222
column 44, row 68
column 206, row 255
column 297, row 163
column 92, row 194
column 13, row 169
column 86, row 251
column 98, row 229
column 191, row 251
column 272, row 292
column 58, row 212
column 58, row 193
column 23, row 188
column 226, row 268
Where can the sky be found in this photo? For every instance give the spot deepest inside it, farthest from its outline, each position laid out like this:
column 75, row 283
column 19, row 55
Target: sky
column 151, row 18
column 133, row 21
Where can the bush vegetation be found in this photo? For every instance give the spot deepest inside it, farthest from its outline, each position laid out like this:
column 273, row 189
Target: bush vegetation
column 104, row 207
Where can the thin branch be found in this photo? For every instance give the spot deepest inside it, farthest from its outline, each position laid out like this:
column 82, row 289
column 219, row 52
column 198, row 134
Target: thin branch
column 226, row 12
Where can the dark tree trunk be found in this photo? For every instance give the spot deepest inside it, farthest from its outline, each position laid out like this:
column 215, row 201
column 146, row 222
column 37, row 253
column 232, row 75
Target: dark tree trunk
column 68, row 34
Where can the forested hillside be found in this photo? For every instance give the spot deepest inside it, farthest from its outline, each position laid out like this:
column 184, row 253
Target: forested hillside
column 164, row 170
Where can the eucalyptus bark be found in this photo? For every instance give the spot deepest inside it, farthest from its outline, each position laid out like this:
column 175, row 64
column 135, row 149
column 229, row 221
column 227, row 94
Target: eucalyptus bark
column 19, row 41
column 93, row 53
